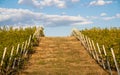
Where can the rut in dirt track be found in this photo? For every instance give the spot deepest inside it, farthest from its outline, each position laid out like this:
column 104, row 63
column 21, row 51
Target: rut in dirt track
column 61, row 56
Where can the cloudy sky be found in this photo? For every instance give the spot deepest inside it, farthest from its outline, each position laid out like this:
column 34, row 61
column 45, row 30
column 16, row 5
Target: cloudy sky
column 58, row 17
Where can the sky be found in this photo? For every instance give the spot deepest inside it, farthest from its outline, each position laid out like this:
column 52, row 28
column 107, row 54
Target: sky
column 58, row 17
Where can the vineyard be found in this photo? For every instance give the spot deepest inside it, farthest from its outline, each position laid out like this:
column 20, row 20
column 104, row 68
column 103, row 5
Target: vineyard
column 10, row 36
column 110, row 38
column 16, row 44
column 103, row 45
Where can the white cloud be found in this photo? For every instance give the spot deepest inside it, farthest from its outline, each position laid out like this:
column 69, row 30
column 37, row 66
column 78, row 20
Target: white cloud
column 44, row 3
column 63, row 13
column 75, row 0
column 92, row 17
column 118, row 15
column 99, row 2
column 103, row 14
column 27, row 17
column 109, row 18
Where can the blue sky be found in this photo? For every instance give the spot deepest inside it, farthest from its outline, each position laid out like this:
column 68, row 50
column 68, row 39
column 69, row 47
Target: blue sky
column 58, row 17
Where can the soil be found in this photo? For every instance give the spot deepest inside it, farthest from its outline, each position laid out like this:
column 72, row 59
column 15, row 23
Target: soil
column 61, row 56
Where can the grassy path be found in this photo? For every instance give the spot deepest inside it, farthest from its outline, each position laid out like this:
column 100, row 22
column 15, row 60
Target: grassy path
column 61, row 56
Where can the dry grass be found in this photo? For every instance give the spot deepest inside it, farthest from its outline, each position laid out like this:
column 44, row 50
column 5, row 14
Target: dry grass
column 61, row 56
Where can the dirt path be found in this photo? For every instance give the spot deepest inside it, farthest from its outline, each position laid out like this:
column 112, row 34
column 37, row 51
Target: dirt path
column 61, row 56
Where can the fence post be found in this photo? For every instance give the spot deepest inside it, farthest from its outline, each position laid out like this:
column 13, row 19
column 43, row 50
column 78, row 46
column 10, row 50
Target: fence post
column 34, row 33
column 92, row 50
column 29, row 40
column 17, row 48
column 108, row 63
column 14, row 62
column 28, row 45
column 84, row 40
column 101, row 56
column 86, row 43
column 19, row 59
column 25, row 47
column 22, row 48
column 89, row 46
column 11, row 54
column 80, row 35
column 96, row 53
column 115, row 61
column 2, row 61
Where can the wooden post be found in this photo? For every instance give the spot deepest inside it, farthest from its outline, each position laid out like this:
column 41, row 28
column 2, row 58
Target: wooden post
column 22, row 48
column 37, row 33
column 34, row 34
column 21, row 54
column 84, row 40
column 15, row 59
column 118, row 71
column 77, row 35
column 74, row 33
column 17, row 48
column 19, row 59
column 14, row 62
column 80, row 35
column 25, row 47
column 89, row 48
column 29, row 41
column 101, row 56
column 2, row 61
column 28, row 45
column 95, row 51
column 11, row 53
column 92, row 50
column 87, row 44
column 10, row 58
column 108, row 63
